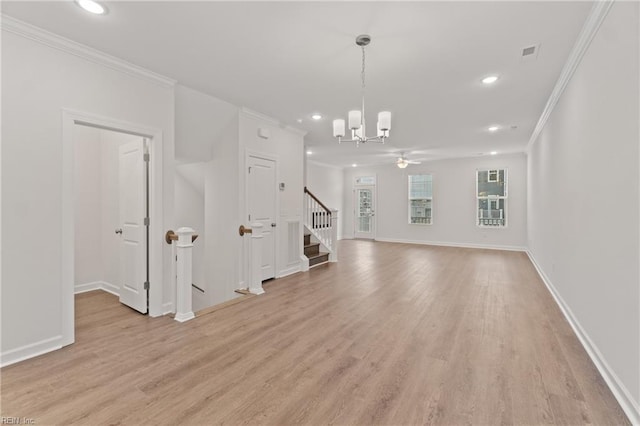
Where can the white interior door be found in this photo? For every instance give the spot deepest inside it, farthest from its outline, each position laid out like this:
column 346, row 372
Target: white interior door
column 365, row 211
column 262, row 208
column 133, row 211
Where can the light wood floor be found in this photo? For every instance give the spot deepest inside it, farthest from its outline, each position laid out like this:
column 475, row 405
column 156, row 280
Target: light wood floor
column 393, row 334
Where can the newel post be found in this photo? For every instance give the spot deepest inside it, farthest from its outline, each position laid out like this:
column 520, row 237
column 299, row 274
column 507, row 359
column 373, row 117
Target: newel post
column 184, row 248
column 333, row 256
column 255, row 262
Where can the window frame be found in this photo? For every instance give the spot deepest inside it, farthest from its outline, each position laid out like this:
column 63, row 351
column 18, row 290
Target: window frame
column 493, row 199
column 410, row 199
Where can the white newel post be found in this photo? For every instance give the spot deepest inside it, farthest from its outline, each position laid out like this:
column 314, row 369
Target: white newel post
column 184, row 271
column 333, row 256
column 255, row 263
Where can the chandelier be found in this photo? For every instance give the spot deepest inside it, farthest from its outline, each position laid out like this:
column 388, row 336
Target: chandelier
column 356, row 118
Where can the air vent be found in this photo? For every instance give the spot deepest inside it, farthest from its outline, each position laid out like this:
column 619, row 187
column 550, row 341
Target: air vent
column 530, row 53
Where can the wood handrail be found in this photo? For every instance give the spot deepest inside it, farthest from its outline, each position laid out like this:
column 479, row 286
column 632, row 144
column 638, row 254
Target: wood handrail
column 327, row 209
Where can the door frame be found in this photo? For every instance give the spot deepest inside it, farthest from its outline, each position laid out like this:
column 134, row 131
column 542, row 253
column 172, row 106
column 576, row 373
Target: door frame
column 245, row 217
column 71, row 118
column 374, row 191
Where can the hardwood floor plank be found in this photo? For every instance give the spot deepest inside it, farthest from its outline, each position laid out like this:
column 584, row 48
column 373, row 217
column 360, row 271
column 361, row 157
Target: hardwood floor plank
column 393, row 334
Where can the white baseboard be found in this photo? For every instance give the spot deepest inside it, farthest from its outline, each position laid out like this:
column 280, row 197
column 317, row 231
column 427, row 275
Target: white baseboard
column 448, row 244
column 289, row 271
column 83, row 288
column 110, row 288
column 167, row 308
column 97, row 285
column 619, row 390
column 31, row 350
column 304, row 263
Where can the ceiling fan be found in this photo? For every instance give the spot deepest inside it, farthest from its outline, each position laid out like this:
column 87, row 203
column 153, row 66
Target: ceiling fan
column 402, row 161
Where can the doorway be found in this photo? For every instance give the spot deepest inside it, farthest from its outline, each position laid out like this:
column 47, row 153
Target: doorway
column 111, row 214
column 365, row 210
column 261, row 207
column 151, row 240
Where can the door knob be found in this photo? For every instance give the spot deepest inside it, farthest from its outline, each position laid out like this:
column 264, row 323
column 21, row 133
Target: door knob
column 119, row 231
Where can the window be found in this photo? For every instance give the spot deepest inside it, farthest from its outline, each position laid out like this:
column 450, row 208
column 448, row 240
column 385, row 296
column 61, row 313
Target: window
column 420, row 199
column 492, row 197
column 366, row 180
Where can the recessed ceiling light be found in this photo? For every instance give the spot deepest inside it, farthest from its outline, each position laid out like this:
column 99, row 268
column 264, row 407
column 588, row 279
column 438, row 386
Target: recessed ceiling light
column 299, row 120
column 354, row 165
column 309, row 152
column 493, row 128
column 493, row 152
column 92, row 6
column 316, row 117
column 490, row 79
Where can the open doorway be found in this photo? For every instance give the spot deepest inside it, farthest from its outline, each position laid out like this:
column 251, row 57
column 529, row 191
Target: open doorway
column 111, row 214
column 158, row 255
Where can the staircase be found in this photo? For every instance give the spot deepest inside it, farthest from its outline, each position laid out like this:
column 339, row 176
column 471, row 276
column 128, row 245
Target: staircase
column 321, row 224
column 313, row 253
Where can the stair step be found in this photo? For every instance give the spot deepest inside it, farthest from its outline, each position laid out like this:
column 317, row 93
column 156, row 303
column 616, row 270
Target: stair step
column 311, row 249
column 318, row 259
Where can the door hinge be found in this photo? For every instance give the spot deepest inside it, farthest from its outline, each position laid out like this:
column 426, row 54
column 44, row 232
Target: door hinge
column 146, row 157
column 146, row 285
column 146, row 221
column 249, row 170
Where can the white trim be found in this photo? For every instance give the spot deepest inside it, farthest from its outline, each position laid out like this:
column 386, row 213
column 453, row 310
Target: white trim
column 167, row 308
column 71, row 118
column 29, row 351
column 55, row 41
column 249, row 113
column 589, row 29
column 289, row 271
column 97, row 285
column 619, row 390
column 83, row 288
column 449, row 244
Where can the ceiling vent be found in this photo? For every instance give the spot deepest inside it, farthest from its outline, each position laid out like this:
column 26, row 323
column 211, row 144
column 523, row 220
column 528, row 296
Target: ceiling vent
column 530, row 53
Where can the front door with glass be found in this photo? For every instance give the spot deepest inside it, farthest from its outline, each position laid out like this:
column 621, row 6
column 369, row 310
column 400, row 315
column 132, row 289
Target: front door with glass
column 365, row 209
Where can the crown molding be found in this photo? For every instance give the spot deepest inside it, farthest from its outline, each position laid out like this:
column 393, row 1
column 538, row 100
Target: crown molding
column 589, row 29
column 270, row 120
column 55, row 41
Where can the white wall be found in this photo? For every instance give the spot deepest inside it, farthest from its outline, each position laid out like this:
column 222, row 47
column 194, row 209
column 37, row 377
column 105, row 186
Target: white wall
column 327, row 183
column 88, row 206
column 454, row 203
column 38, row 81
column 583, row 199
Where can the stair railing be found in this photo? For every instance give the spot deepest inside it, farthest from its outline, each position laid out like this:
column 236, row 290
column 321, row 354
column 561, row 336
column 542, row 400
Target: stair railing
column 320, row 220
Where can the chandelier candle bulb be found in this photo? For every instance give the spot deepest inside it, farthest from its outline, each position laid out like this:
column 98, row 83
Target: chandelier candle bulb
column 384, row 120
column 338, row 128
column 355, row 120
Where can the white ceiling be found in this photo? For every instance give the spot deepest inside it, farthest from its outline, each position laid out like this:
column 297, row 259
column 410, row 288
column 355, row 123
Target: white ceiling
column 291, row 59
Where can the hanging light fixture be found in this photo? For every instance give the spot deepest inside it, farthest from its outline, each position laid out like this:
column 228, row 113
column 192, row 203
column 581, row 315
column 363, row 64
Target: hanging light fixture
column 357, row 118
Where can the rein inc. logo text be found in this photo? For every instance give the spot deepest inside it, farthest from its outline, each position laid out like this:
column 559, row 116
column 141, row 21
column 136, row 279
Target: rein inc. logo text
column 5, row 420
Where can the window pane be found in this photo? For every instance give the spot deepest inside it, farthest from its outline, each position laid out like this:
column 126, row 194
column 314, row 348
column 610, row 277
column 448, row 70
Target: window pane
column 492, row 212
column 486, row 188
column 420, row 186
column 420, row 211
column 366, row 180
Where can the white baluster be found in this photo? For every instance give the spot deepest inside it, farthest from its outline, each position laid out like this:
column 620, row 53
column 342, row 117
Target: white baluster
column 333, row 256
column 255, row 278
column 184, row 249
